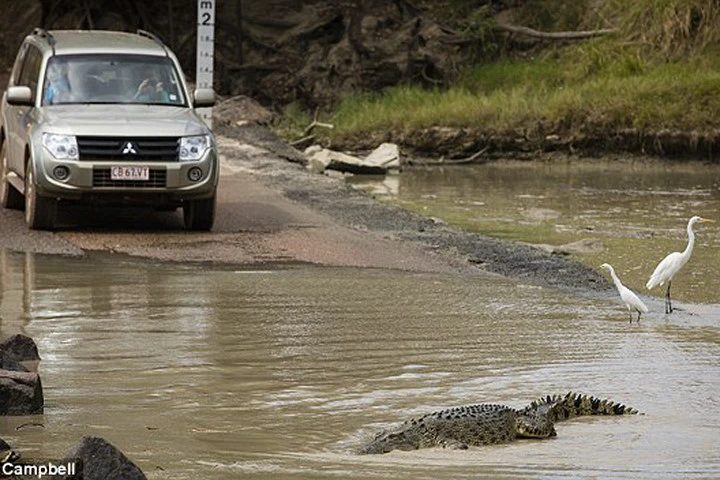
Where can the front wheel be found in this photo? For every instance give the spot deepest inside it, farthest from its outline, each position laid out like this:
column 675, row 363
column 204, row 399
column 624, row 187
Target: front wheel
column 199, row 215
column 9, row 197
column 40, row 212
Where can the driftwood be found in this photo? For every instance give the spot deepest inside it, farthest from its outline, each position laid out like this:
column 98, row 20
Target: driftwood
column 457, row 38
column 308, row 132
column 452, row 161
column 315, row 123
column 302, row 140
column 578, row 35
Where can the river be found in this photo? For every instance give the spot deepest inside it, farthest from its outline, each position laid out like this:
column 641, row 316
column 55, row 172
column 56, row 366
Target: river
column 636, row 210
column 199, row 371
column 207, row 372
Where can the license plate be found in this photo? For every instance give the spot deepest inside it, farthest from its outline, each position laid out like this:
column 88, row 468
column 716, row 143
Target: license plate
column 130, row 173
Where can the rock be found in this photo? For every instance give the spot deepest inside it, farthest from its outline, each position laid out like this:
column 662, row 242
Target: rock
column 4, row 446
column 581, row 247
column 7, row 454
column 20, row 393
column 97, row 459
column 241, row 110
column 321, row 159
column 9, row 363
column 20, row 347
column 387, row 156
column 536, row 213
column 584, row 246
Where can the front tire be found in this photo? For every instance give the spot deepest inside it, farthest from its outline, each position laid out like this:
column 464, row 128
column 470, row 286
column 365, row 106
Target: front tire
column 40, row 212
column 199, row 215
column 9, row 197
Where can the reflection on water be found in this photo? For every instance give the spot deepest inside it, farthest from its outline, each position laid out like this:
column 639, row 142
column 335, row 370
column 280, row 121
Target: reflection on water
column 638, row 210
column 199, row 372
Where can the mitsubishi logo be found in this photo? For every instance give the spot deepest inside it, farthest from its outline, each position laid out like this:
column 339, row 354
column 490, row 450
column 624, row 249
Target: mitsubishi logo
column 129, row 149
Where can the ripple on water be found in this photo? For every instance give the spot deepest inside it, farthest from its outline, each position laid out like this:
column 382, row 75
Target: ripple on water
column 208, row 373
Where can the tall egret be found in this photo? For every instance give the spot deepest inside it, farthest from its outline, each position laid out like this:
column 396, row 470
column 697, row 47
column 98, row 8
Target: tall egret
column 632, row 302
column 666, row 270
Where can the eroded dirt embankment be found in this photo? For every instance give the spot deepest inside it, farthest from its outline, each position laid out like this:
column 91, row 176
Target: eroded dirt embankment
column 454, row 142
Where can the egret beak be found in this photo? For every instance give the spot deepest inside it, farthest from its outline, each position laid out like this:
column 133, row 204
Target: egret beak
column 703, row 220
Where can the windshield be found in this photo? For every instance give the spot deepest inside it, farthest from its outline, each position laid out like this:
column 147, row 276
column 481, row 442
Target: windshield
column 103, row 79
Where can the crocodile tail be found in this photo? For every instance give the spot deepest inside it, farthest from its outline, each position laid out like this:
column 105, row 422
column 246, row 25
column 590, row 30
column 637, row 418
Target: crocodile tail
column 578, row 405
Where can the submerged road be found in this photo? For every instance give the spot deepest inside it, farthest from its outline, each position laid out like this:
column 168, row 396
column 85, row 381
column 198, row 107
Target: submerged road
column 271, row 210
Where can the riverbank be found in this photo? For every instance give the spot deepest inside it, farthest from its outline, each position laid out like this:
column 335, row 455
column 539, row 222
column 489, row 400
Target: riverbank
column 649, row 86
column 527, row 107
column 348, row 207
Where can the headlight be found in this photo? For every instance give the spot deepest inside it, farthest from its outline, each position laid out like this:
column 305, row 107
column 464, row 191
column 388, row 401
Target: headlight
column 193, row 148
column 62, row 147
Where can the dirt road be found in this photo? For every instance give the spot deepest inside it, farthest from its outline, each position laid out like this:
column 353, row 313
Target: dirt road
column 255, row 224
column 272, row 210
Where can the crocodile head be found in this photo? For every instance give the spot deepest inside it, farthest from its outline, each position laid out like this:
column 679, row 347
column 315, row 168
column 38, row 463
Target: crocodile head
column 535, row 423
column 386, row 441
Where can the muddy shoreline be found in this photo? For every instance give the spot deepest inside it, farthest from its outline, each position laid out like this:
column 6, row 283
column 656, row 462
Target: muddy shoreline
column 452, row 142
column 333, row 197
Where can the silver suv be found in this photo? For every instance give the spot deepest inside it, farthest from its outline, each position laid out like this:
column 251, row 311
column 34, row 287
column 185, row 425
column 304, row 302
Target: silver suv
column 104, row 118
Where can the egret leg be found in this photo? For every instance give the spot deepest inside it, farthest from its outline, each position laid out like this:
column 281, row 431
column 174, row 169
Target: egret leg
column 630, row 313
column 668, row 302
column 638, row 319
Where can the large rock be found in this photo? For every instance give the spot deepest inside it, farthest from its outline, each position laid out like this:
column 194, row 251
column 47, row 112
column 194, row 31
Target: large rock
column 97, row 459
column 20, row 347
column 387, row 156
column 381, row 160
column 7, row 362
column 20, row 393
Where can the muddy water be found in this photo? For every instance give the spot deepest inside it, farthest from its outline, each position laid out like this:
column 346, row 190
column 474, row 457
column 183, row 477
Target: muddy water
column 638, row 211
column 212, row 373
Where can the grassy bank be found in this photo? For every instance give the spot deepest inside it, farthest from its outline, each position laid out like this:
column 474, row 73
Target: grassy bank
column 657, row 79
column 521, row 95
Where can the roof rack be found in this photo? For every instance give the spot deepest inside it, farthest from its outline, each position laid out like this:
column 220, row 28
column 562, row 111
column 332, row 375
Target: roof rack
column 41, row 32
column 152, row 36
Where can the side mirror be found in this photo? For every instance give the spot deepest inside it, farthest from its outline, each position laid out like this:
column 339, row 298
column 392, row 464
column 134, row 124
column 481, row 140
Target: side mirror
column 20, row 95
column 203, row 97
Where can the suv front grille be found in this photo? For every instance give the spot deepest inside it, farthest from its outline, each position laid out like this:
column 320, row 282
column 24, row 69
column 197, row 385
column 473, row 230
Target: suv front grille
column 129, row 149
column 158, row 179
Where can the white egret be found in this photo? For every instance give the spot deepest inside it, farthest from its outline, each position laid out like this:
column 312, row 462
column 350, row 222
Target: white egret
column 666, row 270
column 632, row 302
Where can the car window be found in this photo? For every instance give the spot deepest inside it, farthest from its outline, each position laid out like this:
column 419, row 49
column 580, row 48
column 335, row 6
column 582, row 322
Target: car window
column 17, row 66
column 31, row 69
column 107, row 79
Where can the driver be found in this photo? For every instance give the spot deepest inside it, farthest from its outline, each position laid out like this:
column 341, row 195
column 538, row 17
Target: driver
column 151, row 90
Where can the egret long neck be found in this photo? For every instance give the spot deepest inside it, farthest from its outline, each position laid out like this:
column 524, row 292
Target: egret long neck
column 616, row 280
column 691, row 241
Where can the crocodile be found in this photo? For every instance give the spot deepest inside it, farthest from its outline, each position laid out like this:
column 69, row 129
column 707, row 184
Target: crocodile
column 487, row 424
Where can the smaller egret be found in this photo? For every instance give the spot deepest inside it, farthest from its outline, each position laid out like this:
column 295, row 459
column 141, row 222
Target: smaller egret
column 671, row 265
column 632, row 302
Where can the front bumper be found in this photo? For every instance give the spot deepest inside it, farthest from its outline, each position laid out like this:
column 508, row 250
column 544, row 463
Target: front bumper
column 89, row 181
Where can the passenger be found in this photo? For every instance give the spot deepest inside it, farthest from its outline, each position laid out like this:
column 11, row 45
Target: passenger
column 57, row 87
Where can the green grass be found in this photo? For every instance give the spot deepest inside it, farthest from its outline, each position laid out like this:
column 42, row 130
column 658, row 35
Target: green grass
column 558, row 94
